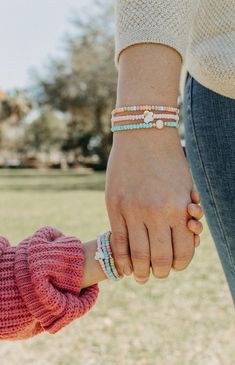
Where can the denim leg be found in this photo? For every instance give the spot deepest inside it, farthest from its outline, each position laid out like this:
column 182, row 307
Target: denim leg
column 210, row 147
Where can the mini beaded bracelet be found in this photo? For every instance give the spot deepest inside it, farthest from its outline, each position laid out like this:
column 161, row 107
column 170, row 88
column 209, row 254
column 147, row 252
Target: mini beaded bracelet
column 105, row 239
column 104, row 256
column 159, row 124
column 145, row 107
column 148, row 116
column 108, row 259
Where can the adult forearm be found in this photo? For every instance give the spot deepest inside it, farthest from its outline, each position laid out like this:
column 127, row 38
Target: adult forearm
column 148, row 74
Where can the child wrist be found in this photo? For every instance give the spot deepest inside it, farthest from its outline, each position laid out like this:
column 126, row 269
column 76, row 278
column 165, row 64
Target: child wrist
column 105, row 257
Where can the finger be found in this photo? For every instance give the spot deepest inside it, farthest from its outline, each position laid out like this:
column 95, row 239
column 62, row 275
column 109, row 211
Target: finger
column 183, row 244
column 195, row 226
column 140, row 252
column 160, row 249
column 195, row 210
column 195, row 196
column 120, row 245
column 196, row 240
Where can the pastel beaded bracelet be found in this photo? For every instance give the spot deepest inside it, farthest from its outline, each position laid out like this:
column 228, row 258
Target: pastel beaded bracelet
column 159, row 124
column 104, row 256
column 148, row 116
column 145, row 107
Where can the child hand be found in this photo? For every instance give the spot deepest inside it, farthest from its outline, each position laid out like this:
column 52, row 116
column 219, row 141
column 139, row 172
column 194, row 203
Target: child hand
column 196, row 212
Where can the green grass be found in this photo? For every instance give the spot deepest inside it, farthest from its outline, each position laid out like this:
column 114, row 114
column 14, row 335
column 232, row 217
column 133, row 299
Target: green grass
column 186, row 319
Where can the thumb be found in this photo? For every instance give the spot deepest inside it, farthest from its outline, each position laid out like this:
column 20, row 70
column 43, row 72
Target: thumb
column 195, row 196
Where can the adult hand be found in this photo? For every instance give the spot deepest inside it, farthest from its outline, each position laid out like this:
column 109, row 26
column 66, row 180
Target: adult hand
column 148, row 189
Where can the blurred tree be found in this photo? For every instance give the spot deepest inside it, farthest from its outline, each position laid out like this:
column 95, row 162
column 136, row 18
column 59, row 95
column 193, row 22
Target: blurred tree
column 14, row 106
column 45, row 133
column 84, row 84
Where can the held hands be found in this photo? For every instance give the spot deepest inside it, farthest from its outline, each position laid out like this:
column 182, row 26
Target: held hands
column 153, row 210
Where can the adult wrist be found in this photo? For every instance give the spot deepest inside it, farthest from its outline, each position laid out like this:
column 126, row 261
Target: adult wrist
column 131, row 120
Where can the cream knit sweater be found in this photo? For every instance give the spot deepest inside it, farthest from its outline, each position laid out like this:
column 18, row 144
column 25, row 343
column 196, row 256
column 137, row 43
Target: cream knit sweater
column 202, row 31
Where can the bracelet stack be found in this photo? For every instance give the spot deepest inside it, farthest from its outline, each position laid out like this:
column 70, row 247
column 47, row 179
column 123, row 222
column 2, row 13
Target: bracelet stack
column 144, row 116
column 104, row 256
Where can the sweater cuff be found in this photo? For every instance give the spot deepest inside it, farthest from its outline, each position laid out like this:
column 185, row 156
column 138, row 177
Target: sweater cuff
column 49, row 269
column 127, row 40
column 166, row 22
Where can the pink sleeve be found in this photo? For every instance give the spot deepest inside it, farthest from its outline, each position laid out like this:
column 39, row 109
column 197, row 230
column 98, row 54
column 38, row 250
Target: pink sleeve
column 40, row 284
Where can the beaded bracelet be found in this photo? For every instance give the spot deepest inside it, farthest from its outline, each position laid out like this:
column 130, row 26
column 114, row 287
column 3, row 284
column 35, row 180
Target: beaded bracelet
column 104, row 256
column 159, row 124
column 105, row 239
column 145, row 107
column 110, row 268
column 147, row 117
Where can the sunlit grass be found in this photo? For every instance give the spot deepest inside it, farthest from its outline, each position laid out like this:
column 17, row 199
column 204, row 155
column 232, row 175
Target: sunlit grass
column 186, row 319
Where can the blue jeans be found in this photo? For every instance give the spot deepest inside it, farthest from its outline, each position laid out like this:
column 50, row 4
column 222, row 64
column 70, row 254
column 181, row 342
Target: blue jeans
column 210, row 148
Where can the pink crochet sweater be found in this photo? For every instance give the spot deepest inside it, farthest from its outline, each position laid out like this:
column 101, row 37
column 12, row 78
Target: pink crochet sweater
column 40, row 284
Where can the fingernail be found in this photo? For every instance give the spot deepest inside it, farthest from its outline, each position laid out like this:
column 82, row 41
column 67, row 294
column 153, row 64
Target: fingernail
column 141, row 281
column 128, row 270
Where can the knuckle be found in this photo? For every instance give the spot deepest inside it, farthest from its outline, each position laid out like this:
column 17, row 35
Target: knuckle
column 163, row 240
column 180, row 212
column 155, row 208
column 120, row 256
column 120, row 246
column 162, row 261
column 120, row 238
column 138, row 255
column 129, row 204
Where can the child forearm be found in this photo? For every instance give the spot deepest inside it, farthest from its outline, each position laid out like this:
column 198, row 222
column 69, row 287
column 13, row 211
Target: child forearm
column 41, row 283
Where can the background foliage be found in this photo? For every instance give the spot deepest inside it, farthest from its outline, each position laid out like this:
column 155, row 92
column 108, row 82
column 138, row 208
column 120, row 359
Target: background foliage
column 80, row 88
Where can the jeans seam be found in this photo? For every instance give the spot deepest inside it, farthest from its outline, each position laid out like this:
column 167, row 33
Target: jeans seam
column 207, row 179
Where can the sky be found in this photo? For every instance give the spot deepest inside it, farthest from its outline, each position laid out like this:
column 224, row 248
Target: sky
column 30, row 32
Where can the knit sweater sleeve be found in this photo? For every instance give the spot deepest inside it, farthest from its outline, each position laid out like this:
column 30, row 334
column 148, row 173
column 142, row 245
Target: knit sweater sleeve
column 153, row 21
column 40, row 284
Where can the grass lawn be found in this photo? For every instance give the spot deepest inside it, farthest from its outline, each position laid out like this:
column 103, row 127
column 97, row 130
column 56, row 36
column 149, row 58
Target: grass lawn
column 186, row 319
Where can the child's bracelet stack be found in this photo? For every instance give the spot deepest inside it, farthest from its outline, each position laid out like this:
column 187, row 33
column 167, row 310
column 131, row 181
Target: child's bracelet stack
column 104, row 256
column 144, row 116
